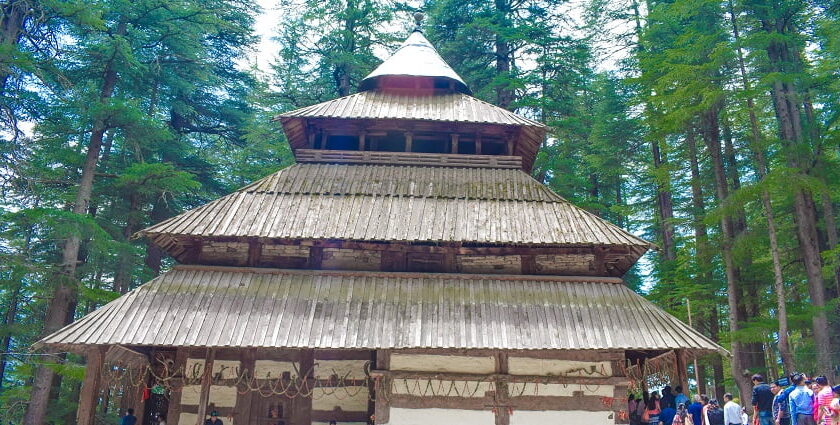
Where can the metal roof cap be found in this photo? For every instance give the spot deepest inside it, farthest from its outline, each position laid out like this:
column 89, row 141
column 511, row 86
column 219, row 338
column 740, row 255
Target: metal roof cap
column 415, row 58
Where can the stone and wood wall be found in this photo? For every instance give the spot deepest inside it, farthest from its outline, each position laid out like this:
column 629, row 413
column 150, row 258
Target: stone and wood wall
column 361, row 256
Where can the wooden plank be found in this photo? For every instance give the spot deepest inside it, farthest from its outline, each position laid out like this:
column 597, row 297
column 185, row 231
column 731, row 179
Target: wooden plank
column 206, row 380
column 243, row 401
column 89, row 394
column 174, row 411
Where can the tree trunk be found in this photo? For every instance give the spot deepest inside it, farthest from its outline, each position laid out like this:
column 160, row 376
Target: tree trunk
column 11, row 28
column 504, row 94
column 788, row 114
column 8, row 320
column 61, row 307
column 712, row 138
column 762, row 169
column 664, row 202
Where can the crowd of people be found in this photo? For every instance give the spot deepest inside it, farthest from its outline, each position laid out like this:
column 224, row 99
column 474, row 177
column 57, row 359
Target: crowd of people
column 795, row 400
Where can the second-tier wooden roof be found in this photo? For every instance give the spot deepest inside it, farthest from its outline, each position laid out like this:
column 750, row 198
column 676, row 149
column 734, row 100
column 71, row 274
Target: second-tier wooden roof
column 399, row 203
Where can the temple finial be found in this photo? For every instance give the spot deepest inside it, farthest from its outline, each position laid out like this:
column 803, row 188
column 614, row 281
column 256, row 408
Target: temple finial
column 418, row 19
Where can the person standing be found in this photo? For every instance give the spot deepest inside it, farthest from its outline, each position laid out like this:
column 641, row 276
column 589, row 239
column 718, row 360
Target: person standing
column 781, row 413
column 835, row 406
column 667, row 398
column 801, row 402
column 762, row 401
column 683, row 417
column 651, row 415
column 680, row 397
column 696, row 410
column 823, row 398
column 214, row 419
column 161, row 419
column 731, row 411
column 713, row 414
column 129, row 418
column 667, row 415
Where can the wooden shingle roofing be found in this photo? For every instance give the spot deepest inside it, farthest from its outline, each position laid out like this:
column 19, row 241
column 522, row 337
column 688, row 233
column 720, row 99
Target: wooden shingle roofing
column 197, row 306
column 450, row 107
column 399, row 204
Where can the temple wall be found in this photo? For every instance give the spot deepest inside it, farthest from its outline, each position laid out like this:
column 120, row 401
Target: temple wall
column 350, row 259
column 401, row 416
column 403, row 258
column 540, row 387
column 501, row 264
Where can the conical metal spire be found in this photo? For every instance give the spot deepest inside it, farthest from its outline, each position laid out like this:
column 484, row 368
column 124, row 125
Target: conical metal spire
column 415, row 58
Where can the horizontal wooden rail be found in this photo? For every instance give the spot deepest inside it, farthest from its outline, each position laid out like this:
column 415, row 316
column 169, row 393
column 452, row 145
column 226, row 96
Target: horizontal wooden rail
column 408, row 158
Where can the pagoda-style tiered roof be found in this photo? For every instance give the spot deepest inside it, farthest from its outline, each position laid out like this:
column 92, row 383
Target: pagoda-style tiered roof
column 412, row 222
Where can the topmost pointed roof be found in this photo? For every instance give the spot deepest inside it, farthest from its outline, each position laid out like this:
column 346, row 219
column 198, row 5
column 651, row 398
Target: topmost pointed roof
column 415, row 58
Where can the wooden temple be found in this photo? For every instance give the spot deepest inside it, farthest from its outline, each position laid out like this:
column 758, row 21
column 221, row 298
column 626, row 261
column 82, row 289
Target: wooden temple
column 406, row 270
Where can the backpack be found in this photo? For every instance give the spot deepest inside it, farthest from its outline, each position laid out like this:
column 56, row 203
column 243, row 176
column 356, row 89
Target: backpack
column 715, row 416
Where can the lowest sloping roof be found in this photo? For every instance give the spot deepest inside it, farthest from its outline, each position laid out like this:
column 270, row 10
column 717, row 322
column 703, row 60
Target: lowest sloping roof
column 229, row 307
column 411, row 204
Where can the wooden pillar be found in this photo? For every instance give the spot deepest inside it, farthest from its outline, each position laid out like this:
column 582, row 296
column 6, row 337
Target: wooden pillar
column 89, row 394
column 382, row 408
column 303, row 412
column 310, row 142
column 206, row 380
column 454, row 142
column 502, row 395
column 682, row 369
column 362, row 141
column 323, row 139
column 247, row 361
column 254, row 252
column 510, row 147
column 478, row 143
column 409, row 140
column 173, row 413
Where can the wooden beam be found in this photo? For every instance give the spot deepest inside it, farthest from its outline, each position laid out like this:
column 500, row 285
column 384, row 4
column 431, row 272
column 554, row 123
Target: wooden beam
column 303, row 413
column 362, row 140
column 173, row 413
column 206, row 380
column 247, row 361
column 89, row 394
column 478, row 144
column 501, row 377
column 682, row 369
column 454, row 143
column 409, row 140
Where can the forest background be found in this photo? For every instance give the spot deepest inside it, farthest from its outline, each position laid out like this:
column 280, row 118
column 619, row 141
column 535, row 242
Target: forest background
column 714, row 132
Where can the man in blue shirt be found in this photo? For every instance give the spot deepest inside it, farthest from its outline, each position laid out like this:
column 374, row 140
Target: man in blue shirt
column 781, row 411
column 696, row 410
column 679, row 397
column 762, row 400
column 801, row 401
column 667, row 415
column 129, row 418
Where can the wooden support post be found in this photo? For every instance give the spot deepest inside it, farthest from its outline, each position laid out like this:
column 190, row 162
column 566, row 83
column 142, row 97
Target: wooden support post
column 682, row 369
column 409, row 141
column 510, row 147
column 382, row 408
column 89, row 394
column 173, row 414
column 478, row 144
column 310, row 138
column 247, row 361
column 362, row 141
column 502, row 396
column 323, row 139
column 454, row 143
column 303, row 414
column 206, row 380
column 254, row 252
